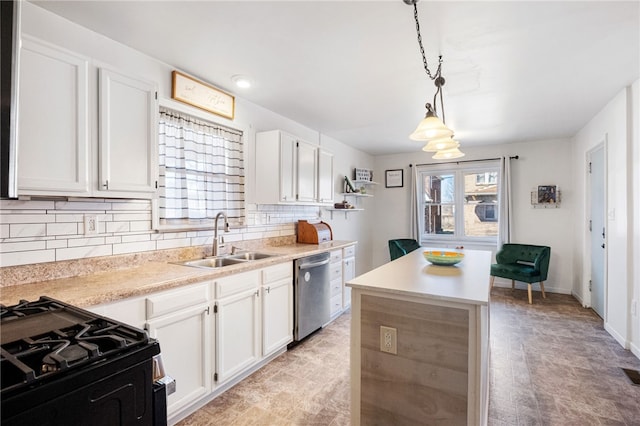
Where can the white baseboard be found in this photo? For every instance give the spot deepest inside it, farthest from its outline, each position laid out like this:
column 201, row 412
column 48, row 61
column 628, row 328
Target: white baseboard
column 635, row 349
column 535, row 286
column 578, row 297
column 619, row 338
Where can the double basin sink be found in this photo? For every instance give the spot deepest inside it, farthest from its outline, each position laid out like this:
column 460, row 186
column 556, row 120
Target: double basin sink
column 222, row 261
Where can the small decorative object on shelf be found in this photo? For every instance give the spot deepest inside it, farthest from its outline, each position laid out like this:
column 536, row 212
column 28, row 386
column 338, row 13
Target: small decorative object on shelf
column 348, row 185
column 546, row 196
column 362, row 174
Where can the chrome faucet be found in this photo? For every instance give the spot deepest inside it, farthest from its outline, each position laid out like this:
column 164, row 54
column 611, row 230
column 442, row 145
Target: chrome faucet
column 217, row 242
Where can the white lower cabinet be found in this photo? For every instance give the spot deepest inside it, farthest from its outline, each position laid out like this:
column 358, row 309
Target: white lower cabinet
column 180, row 319
column 237, row 310
column 277, row 307
column 335, row 282
column 348, row 273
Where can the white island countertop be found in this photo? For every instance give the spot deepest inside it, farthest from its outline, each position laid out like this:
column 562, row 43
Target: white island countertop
column 413, row 275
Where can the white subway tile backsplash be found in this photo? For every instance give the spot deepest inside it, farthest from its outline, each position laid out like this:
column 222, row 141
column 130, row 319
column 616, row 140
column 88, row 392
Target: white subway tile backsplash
column 26, row 257
column 62, row 229
column 47, row 231
column 21, row 230
column 27, row 218
column 83, row 252
column 134, row 247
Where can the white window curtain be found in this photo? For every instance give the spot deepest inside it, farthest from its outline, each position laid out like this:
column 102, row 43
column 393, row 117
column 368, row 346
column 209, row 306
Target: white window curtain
column 505, row 203
column 201, row 170
column 416, row 232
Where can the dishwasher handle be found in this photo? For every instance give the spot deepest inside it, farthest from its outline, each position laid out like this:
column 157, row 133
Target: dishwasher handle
column 312, row 264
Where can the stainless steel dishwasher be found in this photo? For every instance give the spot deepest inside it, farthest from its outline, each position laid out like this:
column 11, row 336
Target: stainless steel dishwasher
column 311, row 293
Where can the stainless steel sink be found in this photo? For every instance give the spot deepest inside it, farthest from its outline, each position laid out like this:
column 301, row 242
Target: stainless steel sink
column 252, row 255
column 213, row 262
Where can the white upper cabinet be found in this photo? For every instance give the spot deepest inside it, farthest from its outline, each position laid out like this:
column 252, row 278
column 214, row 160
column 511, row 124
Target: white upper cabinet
column 61, row 152
column 53, row 134
column 307, row 172
column 290, row 170
column 128, row 133
column 325, row 177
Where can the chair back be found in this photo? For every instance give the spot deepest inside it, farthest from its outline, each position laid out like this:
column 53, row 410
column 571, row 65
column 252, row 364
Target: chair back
column 401, row 246
column 538, row 256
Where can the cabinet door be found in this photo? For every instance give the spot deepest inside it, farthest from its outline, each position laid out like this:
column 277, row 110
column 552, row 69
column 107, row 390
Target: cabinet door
column 277, row 315
column 307, row 169
column 185, row 344
column 348, row 273
column 287, row 168
column 325, row 177
column 53, row 134
column 237, row 334
column 128, row 134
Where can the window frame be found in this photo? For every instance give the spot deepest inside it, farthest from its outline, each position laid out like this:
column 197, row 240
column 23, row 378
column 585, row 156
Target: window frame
column 459, row 171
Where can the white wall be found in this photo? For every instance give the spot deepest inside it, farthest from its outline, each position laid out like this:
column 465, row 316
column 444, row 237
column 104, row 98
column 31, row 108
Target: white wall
column 635, row 183
column 540, row 163
column 30, row 230
column 614, row 123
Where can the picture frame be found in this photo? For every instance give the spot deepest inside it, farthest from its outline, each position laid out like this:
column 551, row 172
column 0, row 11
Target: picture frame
column 201, row 95
column 394, row 178
column 547, row 194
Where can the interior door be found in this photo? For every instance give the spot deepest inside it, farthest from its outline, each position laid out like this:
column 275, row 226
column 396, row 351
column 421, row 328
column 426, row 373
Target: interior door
column 598, row 230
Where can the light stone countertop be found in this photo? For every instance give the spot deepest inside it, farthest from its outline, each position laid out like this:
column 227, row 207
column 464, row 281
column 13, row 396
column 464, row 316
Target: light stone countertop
column 412, row 275
column 108, row 286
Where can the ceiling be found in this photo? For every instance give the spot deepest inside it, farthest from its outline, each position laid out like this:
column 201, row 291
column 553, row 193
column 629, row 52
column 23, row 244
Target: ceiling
column 515, row 71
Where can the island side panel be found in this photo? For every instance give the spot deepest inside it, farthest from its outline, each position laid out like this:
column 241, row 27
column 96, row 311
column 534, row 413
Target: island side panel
column 427, row 381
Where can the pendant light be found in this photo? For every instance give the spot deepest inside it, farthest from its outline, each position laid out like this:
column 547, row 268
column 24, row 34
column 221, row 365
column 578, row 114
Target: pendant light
column 431, row 129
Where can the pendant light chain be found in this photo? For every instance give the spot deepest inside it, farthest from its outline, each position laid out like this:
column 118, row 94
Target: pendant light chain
column 424, row 57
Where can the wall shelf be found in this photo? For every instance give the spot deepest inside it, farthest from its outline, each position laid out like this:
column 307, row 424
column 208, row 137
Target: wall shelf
column 333, row 209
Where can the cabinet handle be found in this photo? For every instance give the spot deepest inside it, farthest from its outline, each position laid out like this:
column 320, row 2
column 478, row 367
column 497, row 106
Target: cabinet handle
column 207, row 310
column 257, row 293
column 268, row 289
column 106, row 184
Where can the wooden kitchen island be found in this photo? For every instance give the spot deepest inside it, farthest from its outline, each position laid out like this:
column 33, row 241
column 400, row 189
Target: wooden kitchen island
column 439, row 375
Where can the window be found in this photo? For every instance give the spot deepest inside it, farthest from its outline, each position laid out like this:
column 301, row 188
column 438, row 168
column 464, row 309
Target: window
column 201, row 171
column 458, row 202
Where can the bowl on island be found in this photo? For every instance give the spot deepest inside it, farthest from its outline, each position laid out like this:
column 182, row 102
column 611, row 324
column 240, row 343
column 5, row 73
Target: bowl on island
column 443, row 258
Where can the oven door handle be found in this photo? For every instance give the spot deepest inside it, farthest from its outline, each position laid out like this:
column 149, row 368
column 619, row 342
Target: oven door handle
column 312, row 264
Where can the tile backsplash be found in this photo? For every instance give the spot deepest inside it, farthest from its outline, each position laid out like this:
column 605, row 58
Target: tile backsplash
column 38, row 231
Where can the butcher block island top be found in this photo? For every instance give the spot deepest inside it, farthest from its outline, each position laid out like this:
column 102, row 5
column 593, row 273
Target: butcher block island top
column 420, row 342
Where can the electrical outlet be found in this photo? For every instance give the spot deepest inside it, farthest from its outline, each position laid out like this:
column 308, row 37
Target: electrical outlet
column 389, row 340
column 90, row 224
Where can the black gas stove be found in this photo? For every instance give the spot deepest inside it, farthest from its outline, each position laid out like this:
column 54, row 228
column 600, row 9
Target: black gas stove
column 61, row 365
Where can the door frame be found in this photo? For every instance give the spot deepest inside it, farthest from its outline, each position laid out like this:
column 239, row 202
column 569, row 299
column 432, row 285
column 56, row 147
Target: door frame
column 603, row 144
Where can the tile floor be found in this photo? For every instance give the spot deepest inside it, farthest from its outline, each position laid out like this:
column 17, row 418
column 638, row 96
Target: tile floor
column 552, row 363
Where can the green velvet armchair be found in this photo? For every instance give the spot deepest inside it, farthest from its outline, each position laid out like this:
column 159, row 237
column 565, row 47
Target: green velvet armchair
column 522, row 262
column 402, row 246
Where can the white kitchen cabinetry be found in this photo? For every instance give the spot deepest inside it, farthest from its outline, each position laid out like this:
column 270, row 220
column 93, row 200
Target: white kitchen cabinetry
column 180, row 320
column 60, row 151
column 291, row 171
column 53, row 121
column 277, row 307
column 325, row 177
column 348, row 273
column 237, row 310
column 128, row 133
column 129, row 311
column 335, row 282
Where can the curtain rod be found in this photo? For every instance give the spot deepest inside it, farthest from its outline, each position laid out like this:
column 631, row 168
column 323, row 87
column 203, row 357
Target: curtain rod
column 515, row 157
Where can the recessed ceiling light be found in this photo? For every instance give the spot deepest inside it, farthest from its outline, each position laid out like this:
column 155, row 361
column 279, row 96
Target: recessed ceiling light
column 241, row 81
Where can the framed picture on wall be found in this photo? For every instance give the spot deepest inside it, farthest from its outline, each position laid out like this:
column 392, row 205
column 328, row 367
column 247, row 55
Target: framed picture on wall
column 547, row 194
column 394, row 178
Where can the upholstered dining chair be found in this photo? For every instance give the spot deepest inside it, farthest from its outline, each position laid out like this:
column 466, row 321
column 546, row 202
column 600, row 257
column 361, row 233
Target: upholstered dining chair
column 401, row 246
column 522, row 262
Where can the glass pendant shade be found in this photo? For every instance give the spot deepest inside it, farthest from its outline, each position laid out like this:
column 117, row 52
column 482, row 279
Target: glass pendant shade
column 441, row 144
column 431, row 127
column 447, row 154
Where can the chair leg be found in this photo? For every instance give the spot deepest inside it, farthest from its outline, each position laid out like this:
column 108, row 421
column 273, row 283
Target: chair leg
column 493, row 278
column 542, row 289
column 513, row 284
column 529, row 290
